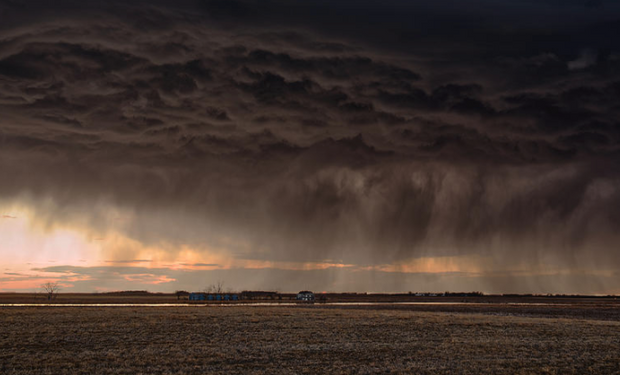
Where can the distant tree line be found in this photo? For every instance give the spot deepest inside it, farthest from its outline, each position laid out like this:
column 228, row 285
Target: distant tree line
column 130, row 293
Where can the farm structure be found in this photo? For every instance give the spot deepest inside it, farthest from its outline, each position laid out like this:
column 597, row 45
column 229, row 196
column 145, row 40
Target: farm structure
column 213, row 297
column 260, row 295
column 305, row 295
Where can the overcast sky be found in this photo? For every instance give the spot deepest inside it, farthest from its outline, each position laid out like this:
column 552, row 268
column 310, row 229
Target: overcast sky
column 295, row 144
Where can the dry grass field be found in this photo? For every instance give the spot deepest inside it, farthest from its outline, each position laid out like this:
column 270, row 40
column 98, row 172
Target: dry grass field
column 305, row 339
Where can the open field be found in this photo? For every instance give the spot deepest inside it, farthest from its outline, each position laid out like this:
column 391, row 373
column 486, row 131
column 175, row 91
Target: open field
column 304, row 339
column 592, row 308
column 152, row 298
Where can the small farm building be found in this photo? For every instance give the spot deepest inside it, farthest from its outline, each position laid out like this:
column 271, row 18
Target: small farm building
column 305, row 295
column 213, row 297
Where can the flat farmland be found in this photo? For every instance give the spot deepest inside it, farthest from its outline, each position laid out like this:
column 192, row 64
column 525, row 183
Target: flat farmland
column 304, row 339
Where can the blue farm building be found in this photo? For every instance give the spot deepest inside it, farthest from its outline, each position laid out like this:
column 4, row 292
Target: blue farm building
column 213, row 297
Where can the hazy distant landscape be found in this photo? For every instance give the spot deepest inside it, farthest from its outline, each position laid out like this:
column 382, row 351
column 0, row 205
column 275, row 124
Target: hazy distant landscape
column 309, row 339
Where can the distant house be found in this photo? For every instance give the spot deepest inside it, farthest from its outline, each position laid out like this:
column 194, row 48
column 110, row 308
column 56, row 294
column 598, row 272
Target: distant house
column 305, row 295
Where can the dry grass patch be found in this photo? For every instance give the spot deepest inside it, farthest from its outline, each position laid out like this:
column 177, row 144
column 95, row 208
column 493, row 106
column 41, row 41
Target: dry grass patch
column 172, row 340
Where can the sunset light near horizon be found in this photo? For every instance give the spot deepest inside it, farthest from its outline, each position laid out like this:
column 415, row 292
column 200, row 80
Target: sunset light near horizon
column 81, row 259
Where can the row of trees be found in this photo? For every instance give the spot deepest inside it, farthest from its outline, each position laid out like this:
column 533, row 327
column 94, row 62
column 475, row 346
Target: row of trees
column 51, row 290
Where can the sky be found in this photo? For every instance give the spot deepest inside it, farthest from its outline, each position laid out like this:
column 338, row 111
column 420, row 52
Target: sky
column 370, row 146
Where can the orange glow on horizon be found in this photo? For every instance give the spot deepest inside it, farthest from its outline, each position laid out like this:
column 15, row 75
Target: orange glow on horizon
column 34, row 252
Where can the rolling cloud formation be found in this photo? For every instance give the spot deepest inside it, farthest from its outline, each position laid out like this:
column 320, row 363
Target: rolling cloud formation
column 348, row 132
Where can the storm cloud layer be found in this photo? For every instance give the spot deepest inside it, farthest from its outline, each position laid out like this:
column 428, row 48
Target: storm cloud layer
column 357, row 133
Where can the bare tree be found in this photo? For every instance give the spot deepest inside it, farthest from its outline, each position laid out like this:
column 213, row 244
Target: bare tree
column 51, row 289
column 217, row 288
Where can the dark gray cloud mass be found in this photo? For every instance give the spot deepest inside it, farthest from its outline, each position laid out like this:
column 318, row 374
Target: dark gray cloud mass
column 362, row 132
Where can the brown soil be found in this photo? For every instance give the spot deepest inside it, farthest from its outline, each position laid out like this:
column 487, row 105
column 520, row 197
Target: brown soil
column 304, row 339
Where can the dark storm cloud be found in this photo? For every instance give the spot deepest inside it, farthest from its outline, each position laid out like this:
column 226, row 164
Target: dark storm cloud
column 322, row 130
column 478, row 29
